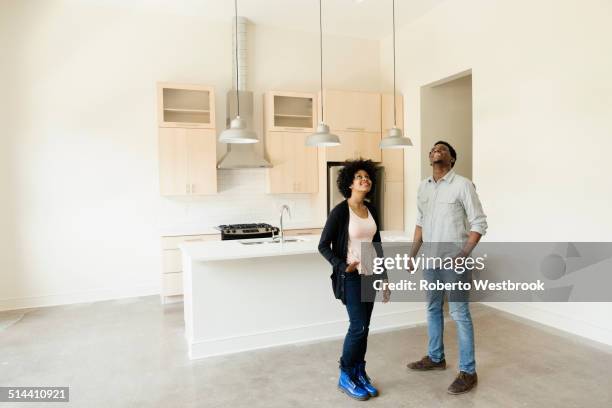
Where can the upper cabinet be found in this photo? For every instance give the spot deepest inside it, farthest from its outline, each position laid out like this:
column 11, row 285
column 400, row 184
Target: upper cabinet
column 187, row 161
column 290, row 111
column 187, row 140
column 289, row 118
column 392, row 159
column 354, row 145
column 294, row 166
column 387, row 112
column 352, row 111
column 181, row 105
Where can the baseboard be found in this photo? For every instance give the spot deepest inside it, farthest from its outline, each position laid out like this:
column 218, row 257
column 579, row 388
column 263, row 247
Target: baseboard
column 77, row 297
column 580, row 330
column 300, row 335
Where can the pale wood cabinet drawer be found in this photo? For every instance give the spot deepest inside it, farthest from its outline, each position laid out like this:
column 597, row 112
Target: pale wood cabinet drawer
column 173, row 242
column 172, row 284
column 305, row 231
column 171, row 261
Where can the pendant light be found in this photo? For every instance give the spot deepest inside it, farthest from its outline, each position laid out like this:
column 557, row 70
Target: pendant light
column 237, row 132
column 322, row 137
column 394, row 139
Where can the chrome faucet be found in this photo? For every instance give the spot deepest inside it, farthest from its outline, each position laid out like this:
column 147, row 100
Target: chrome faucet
column 282, row 231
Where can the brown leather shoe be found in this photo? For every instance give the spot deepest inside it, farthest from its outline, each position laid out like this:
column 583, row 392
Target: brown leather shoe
column 463, row 383
column 426, row 363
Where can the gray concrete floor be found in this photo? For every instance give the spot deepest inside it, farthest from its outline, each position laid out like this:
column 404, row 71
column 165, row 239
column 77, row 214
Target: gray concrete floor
column 132, row 353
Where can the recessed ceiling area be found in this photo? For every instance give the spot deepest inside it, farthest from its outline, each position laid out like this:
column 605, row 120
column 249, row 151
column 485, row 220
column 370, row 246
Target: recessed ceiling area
column 355, row 18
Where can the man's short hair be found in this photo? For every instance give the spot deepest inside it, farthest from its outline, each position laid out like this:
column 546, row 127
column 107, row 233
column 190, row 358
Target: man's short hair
column 451, row 149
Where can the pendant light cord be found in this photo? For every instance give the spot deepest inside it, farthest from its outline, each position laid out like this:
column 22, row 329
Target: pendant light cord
column 394, row 98
column 237, row 72
column 321, row 54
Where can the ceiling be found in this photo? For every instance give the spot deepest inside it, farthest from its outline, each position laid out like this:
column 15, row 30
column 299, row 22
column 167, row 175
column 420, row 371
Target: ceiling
column 354, row 18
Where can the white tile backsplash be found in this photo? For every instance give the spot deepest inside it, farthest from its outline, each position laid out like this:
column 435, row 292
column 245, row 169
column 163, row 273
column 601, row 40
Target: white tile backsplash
column 241, row 198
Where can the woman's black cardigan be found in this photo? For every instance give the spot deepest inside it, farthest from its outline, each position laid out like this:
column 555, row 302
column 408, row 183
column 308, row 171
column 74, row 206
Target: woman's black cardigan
column 333, row 244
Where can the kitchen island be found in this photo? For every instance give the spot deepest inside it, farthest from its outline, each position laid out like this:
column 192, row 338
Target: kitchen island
column 254, row 294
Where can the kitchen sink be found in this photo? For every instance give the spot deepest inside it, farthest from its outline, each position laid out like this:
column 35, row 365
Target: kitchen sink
column 275, row 240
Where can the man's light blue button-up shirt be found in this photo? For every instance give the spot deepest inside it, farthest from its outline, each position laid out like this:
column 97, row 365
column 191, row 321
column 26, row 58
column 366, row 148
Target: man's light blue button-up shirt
column 447, row 210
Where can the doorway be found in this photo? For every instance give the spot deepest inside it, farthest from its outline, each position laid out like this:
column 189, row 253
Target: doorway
column 446, row 114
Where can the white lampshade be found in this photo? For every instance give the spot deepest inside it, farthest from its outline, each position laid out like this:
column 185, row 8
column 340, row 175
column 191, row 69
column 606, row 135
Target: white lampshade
column 322, row 137
column 238, row 133
column 395, row 140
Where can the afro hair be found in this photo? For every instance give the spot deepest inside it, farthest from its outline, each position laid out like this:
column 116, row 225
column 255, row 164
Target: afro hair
column 346, row 175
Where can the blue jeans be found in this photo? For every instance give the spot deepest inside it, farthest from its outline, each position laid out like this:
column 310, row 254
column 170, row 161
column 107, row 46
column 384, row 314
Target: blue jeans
column 359, row 312
column 460, row 312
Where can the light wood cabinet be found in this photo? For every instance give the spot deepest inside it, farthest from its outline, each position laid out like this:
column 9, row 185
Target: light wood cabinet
column 294, row 165
column 393, row 162
column 387, row 112
column 289, row 118
column 290, row 111
column 172, row 285
column 183, row 105
column 393, row 216
column 187, row 161
column 352, row 111
column 304, row 231
column 392, row 159
column 172, row 265
column 354, row 145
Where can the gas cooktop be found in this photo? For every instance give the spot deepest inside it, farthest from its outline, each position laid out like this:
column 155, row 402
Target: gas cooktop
column 244, row 231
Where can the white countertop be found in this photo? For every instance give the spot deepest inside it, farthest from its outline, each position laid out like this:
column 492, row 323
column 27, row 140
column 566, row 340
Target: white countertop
column 234, row 249
column 201, row 229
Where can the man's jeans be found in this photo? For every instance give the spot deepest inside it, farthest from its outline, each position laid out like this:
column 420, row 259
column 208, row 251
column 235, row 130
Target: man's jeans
column 459, row 310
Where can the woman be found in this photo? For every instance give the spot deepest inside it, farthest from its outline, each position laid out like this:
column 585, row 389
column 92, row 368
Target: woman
column 350, row 223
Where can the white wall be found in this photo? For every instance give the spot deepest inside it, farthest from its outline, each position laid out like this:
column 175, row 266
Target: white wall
column 446, row 114
column 542, row 97
column 80, row 206
column 79, row 203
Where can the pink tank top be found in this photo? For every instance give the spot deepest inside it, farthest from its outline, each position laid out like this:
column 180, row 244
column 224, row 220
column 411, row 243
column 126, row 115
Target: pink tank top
column 359, row 230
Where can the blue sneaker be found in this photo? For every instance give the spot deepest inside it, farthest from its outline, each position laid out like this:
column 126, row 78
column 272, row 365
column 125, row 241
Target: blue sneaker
column 364, row 380
column 351, row 387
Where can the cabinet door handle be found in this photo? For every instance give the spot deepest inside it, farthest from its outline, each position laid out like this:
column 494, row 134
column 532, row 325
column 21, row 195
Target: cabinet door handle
column 355, row 128
column 187, row 188
column 192, row 188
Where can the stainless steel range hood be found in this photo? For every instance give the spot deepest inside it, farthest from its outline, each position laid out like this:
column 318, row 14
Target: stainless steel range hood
column 240, row 156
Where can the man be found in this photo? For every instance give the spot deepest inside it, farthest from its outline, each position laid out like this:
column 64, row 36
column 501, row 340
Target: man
column 449, row 211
